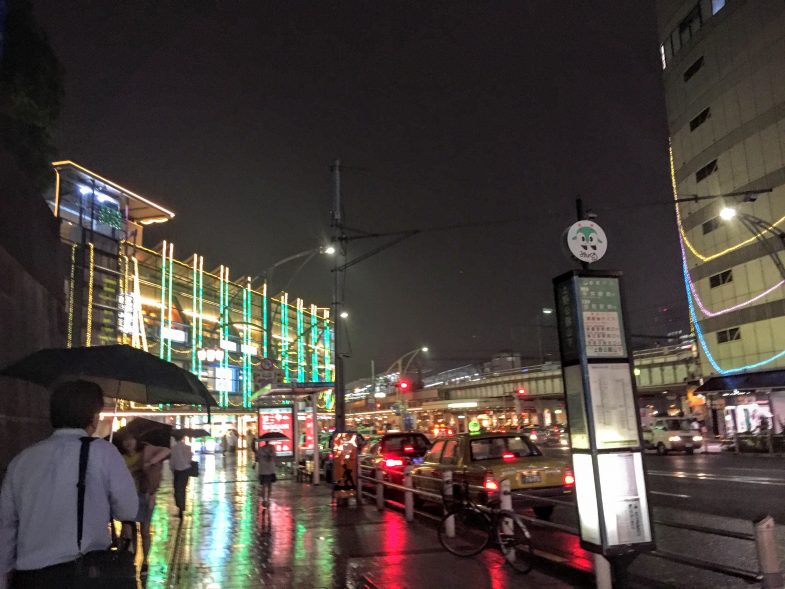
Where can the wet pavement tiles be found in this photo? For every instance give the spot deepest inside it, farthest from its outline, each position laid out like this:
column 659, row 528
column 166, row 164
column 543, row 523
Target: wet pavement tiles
column 229, row 540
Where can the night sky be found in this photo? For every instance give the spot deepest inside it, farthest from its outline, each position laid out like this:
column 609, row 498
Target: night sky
column 230, row 113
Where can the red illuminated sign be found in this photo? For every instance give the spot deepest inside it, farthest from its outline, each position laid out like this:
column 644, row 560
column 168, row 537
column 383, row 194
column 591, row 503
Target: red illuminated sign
column 307, row 440
column 278, row 419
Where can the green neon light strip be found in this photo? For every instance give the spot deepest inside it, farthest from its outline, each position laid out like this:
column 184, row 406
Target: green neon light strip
column 194, row 315
column 162, row 322
column 300, row 342
column 285, row 338
column 314, row 341
column 327, row 349
column 265, row 336
column 201, row 313
column 171, row 264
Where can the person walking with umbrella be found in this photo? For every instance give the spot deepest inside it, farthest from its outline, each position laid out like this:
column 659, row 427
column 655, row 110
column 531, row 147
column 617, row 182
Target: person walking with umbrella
column 180, row 463
column 265, row 468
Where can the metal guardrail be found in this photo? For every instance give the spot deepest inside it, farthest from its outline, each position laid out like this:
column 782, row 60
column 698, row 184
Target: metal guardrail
column 769, row 574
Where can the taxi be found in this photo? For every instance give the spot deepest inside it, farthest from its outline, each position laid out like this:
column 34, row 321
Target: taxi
column 487, row 458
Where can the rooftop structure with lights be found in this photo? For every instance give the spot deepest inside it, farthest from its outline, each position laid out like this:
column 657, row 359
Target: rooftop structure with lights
column 234, row 336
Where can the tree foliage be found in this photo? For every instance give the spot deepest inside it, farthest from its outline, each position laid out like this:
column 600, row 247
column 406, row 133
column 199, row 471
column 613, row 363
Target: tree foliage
column 31, row 91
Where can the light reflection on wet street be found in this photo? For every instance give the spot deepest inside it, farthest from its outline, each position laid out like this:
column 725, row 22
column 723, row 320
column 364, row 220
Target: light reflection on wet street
column 229, row 540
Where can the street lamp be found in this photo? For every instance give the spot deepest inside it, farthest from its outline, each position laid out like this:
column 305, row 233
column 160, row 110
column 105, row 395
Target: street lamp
column 727, row 213
column 344, row 314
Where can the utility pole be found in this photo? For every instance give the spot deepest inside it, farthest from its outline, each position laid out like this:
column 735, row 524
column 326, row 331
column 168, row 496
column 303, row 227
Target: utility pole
column 336, row 223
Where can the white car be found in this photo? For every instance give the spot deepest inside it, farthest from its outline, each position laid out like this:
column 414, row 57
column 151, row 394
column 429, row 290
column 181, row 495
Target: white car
column 669, row 434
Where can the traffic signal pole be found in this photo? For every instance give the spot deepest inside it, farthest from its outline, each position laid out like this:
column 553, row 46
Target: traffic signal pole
column 336, row 223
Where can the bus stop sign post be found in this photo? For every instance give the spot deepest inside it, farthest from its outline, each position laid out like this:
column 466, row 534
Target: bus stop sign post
column 605, row 432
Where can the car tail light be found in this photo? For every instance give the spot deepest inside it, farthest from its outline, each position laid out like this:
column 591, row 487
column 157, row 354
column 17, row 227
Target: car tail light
column 490, row 484
column 569, row 479
column 408, row 449
column 508, row 456
column 390, row 462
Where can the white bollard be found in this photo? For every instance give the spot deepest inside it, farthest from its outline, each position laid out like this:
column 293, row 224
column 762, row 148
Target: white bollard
column 408, row 496
column 766, row 545
column 379, row 489
column 449, row 525
column 603, row 576
column 506, row 504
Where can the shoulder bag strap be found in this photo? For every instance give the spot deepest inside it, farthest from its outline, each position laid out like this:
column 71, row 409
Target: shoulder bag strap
column 84, row 453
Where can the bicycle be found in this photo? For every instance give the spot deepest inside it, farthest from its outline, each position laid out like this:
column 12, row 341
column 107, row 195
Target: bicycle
column 467, row 529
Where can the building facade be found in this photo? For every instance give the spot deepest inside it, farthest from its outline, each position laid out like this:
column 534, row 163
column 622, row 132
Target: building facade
column 724, row 75
column 234, row 336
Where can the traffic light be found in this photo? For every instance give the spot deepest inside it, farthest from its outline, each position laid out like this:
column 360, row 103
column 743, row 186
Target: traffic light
column 521, row 392
column 404, row 385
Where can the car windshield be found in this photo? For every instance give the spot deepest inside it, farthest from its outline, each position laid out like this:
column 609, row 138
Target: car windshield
column 674, row 425
column 398, row 443
column 495, row 448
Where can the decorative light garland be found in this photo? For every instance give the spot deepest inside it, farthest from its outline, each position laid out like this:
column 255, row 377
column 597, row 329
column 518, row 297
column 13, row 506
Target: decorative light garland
column 89, row 334
column 690, row 288
column 161, row 340
column 696, row 253
column 70, row 339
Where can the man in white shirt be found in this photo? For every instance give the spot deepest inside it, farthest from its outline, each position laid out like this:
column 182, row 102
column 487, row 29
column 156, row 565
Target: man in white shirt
column 38, row 501
column 180, row 463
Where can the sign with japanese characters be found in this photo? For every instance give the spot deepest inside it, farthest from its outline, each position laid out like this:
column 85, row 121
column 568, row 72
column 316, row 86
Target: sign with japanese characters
column 603, row 328
column 278, row 419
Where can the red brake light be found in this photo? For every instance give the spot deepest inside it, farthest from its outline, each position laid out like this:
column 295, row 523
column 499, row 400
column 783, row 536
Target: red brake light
column 408, row 448
column 491, row 485
column 508, row 456
column 390, row 462
column 569, row 480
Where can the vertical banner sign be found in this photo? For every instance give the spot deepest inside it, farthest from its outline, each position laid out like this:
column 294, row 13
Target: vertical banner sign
column 281, row 420
column 605, row 433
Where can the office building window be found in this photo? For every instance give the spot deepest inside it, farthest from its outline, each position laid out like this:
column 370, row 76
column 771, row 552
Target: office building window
column 711, row 225
column 716, row 6
column 721, row 278
column 706, row 171
column 728, row 335
column 693, row 69
column 691, row 24
column 700, row 119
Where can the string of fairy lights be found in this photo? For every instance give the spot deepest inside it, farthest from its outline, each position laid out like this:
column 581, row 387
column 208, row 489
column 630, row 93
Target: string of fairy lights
column 694, row 299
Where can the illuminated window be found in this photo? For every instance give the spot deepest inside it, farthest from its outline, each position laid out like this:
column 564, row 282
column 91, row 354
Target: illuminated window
column 693, row 69
column 728, row 335
column 700, row 119
column 721, row 278
column 706, row 171
column 716, row 6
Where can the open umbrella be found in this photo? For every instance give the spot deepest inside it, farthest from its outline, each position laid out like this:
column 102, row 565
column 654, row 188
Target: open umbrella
column 270, row 436
column 121, row 371
column 148, row 430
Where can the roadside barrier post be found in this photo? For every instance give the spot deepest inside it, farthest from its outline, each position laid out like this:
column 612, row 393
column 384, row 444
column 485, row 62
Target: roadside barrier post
column 506, row 504
column 379, row 489
column 408, row 496
column 449, row 525
column 602, row 572
column 766, row 545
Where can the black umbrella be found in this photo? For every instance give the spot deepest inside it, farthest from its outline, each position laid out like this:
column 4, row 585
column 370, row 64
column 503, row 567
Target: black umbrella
column 269, row 436
column 121, row 371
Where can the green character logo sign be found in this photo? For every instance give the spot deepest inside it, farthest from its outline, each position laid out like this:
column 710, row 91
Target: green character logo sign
column 586, row 241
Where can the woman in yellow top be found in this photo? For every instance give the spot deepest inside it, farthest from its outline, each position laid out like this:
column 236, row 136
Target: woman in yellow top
column 145, row 462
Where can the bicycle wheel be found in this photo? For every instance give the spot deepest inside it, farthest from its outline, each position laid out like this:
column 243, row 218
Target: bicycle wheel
column 514, row 541
column 465, row 532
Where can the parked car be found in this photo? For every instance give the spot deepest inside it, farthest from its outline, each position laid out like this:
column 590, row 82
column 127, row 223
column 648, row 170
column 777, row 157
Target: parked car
column 393, row 452
column 486, row 459
column 667, row 434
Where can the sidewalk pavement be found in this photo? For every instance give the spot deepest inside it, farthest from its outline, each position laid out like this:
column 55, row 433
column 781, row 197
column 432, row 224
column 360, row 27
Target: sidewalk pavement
column 229, row 540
